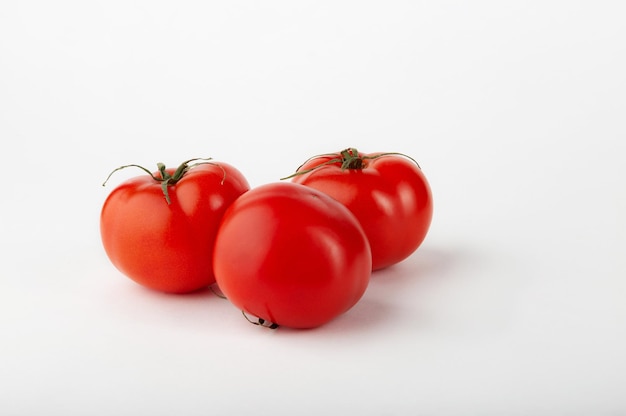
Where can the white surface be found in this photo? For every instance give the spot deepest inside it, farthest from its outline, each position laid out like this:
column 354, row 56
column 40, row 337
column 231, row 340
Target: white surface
column 514, row 305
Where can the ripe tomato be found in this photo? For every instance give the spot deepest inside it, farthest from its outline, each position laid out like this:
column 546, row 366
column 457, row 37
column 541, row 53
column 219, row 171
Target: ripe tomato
column 291, row 255
column 387, row 192
column 161, row 233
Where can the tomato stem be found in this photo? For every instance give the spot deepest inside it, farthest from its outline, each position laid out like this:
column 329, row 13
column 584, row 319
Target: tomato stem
column 260, row 322
column 217, row 292
column 165, row 178
column 349, row 158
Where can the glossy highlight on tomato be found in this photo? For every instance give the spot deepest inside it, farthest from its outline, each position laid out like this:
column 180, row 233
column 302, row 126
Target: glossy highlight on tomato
column 161, row 232
column 291, row 255
column 387, row 192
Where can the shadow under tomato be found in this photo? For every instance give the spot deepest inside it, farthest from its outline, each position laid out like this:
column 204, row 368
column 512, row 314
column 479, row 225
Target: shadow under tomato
column 427, row 268
column 391, row 290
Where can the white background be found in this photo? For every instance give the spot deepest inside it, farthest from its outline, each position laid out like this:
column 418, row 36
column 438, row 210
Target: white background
column 514, row 304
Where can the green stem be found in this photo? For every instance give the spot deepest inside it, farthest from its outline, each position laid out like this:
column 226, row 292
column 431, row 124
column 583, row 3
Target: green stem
column 349, row 159
column 166, row 179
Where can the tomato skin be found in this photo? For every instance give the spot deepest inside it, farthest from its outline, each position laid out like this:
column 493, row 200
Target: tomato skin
column 389, row 195
column 291, row 255
column 168, row 247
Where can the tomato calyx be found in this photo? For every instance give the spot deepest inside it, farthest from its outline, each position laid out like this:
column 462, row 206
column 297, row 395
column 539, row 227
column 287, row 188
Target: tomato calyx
column 165, row 178
column 349, row 158
column 260, row 322
column 215, row 290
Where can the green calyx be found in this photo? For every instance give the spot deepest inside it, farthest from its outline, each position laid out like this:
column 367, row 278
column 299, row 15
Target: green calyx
column 349, row 159
column 165, row 178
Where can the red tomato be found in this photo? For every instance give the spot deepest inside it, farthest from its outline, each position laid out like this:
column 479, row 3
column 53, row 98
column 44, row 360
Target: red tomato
column 168, row 246
column 291, row 255
column 387, row 192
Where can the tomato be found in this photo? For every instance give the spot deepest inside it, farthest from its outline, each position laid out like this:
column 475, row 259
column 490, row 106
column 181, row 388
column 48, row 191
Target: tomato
column 291, row 255
column 387, row 192
column 161, row 233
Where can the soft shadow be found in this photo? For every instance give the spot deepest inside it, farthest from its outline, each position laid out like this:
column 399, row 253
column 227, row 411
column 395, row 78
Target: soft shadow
column 379, row 306
column 425, row 263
